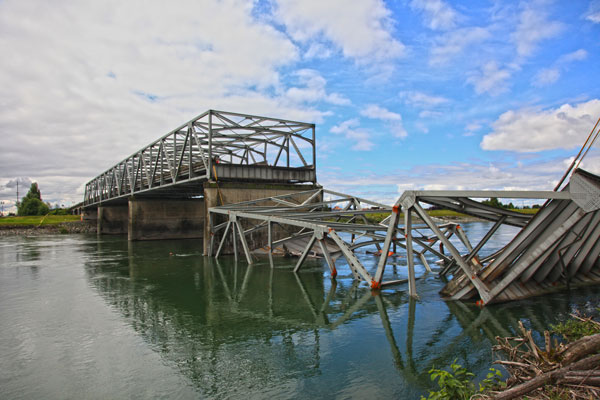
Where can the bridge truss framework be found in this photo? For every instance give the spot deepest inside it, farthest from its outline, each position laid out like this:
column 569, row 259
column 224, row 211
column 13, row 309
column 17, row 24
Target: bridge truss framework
column 215, row 144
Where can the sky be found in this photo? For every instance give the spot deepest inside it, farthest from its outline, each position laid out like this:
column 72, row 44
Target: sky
column 408, row 94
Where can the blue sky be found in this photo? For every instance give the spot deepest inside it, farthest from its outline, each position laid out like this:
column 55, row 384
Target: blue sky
column 405, row 94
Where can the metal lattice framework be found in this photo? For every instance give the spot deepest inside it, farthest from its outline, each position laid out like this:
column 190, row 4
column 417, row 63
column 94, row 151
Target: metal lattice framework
column 214, row 144
column 338, row 223
column 559, row 246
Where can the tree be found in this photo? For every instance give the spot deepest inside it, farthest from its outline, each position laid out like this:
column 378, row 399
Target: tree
column 494, row 202
column 32, row 203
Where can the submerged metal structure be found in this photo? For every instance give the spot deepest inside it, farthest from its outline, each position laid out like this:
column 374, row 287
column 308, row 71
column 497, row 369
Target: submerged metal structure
column 557, row 247
column 230, row 146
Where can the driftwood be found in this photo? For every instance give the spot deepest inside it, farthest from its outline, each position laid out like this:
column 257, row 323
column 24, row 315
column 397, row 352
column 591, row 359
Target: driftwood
column 580, row 348
column 553, row 377
column 574, row 366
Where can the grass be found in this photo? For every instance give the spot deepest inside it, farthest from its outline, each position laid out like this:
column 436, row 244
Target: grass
column 378, row 217
column 37, row 219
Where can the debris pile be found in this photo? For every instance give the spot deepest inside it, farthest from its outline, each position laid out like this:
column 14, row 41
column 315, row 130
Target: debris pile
column 569, row 370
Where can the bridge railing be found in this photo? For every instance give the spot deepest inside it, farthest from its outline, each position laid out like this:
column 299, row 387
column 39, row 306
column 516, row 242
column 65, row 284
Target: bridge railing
column 192, row 151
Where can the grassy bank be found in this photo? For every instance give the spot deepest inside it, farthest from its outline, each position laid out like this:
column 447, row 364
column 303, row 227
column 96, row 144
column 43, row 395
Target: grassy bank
column 37, row 220
column 378, row 217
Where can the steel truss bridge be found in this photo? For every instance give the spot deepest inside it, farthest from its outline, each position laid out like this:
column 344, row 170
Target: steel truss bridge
column 214, row 145
column 557, row 247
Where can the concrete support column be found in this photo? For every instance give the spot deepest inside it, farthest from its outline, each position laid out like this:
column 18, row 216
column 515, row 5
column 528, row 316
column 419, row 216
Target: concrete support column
column 89, row 214
column 151, row 219
column 112, row 220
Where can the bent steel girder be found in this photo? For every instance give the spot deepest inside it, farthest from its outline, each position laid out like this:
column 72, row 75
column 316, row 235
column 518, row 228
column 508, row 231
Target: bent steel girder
column 557, row 247
column 319, row 214
column 188, row 154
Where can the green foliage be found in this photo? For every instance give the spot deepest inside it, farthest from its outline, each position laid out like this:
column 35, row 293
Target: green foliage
column 63, row 230
column 458, row 385
column 32, row 203
column 574, row 329
column 32, row 206
column 494, row 202
column 59, row 211
column 34, row 192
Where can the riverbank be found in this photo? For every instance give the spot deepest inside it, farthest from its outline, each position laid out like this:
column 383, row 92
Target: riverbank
column 48, row 229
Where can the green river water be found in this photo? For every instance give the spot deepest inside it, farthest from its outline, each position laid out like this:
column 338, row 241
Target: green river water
column 101, row 318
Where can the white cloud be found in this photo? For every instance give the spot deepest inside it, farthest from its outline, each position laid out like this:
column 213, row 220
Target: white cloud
column 438, row 14
column 533, row 27
column 313, row 89
column 548, row 76
column 88, row 83
column 577, row 55
column 471, row 128
column 593, row 13
column 454, row 43
column 420, row 99
column 477, row 175
column 358, row 138
column 361, row 30
column 376, row 112
column 430, row 114
column 490, row 79
column 393, row 120
column 565, row 127
column 318, row 50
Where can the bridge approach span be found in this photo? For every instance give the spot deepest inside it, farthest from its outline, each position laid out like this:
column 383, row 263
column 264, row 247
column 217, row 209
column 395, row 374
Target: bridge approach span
column 216, row 145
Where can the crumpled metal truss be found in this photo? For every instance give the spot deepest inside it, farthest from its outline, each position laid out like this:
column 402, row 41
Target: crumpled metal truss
column 559, row 245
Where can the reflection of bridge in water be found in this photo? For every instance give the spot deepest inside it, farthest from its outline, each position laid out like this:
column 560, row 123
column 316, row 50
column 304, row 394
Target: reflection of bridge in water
column 219, row 322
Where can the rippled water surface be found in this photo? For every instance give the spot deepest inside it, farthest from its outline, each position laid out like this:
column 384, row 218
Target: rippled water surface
column 88, row 317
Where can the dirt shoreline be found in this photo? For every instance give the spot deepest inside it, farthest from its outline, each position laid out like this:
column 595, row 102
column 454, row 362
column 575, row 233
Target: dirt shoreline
column 62, row 228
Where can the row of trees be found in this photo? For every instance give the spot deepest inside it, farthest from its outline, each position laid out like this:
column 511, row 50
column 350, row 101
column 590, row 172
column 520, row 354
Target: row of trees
column 494, row 202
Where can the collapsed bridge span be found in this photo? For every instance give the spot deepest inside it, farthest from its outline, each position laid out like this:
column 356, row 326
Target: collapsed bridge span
column 556, row 248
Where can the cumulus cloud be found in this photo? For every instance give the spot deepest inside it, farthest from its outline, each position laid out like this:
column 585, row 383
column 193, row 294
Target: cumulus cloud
column 313, row 89
column 360, row 139
column 393, row 120
column 363, row 31
column 533, row 27
column 376, row 112
column 490, row 79
column 437, row 13
column 84, row 84
column 565, row 127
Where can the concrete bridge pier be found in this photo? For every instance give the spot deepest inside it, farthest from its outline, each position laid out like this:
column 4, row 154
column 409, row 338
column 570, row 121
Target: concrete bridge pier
column 112, row 219
column 150, row 219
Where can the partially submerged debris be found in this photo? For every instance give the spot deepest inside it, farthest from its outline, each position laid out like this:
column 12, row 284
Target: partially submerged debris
column 572, row 368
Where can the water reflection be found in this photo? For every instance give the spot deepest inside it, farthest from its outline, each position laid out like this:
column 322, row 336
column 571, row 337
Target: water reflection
column 234, row 329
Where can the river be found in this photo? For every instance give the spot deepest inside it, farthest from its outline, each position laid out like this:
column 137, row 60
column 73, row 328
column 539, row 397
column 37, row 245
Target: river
column 97, row 317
